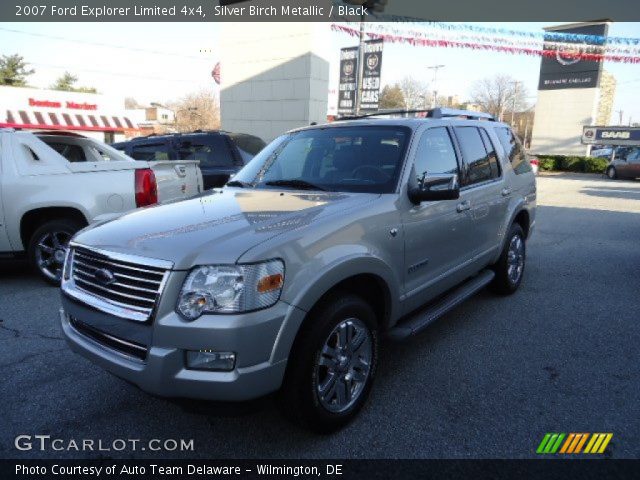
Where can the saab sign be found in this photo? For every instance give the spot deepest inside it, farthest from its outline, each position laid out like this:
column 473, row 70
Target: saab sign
column 611, row 136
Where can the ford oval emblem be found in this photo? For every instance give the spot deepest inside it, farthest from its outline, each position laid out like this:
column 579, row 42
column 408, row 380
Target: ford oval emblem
column 104, row 276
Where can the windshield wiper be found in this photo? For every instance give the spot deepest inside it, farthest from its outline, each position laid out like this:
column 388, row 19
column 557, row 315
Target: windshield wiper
column 238, row 183
column 295, row 183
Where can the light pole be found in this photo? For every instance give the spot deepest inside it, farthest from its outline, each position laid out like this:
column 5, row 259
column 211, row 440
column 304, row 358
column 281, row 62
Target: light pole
column 435, row 69
column 515, row 99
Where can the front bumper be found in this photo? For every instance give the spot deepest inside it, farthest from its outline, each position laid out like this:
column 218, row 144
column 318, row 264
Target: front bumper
column 252, row 336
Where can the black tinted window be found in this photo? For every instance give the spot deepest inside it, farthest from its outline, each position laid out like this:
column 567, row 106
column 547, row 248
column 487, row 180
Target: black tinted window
column 435, row 153
column 491, row 153
column 150, row 151
column 513, row 149
column 474, row 155
column 247, row 143
column 211, row 151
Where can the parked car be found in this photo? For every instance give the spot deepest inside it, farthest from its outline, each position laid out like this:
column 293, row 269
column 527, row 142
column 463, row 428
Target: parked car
column 54, row 184
column 330, row 239
column 221, row 154
column 625, row 166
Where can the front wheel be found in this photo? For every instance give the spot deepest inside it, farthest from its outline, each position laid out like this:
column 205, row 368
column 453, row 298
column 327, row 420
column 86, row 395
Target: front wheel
column 509, row 268
column 332, row 365
column 611, row 173
column 47, row 248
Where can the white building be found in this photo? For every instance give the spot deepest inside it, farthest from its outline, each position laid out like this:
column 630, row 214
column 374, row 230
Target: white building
column 90, row 114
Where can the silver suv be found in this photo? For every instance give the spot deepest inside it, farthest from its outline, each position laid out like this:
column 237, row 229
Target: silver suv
column 288, row 278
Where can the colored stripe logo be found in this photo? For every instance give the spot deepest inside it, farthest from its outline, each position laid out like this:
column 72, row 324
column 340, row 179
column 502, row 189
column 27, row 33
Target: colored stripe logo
column 574, row 443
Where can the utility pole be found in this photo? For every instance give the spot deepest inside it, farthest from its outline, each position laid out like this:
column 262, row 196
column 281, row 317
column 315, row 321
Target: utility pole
column 620, row 113
column 435, row 69
column 515, row 99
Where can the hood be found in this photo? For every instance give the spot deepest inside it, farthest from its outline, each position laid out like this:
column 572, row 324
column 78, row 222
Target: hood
column 217, row 227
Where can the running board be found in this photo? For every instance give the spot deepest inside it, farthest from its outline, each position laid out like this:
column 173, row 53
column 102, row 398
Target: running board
column 423, row 318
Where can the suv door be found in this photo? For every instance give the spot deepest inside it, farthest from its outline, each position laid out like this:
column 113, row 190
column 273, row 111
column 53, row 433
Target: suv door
column 483, row 184
column 438, row 235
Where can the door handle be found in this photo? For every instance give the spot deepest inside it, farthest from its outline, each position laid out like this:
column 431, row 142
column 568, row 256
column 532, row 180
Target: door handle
column 506, row 192
column 461, row 207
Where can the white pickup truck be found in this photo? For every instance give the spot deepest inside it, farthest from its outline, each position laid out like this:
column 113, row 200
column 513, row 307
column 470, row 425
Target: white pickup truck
column 52, row 184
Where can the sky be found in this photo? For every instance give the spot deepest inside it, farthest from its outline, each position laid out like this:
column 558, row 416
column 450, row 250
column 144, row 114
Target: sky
column 161, row 62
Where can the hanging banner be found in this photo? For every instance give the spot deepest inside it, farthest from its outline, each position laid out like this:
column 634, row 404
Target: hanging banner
column 371, row 75
column 348, row 80
column 567, row 68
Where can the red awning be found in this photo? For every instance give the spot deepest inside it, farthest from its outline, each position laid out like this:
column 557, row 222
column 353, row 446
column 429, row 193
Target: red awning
column 41, row 119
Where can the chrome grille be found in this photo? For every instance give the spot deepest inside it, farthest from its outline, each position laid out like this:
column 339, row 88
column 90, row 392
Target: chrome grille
column 134, row 287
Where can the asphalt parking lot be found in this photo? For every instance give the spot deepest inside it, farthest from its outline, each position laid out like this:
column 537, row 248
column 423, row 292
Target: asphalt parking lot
column 488, row 380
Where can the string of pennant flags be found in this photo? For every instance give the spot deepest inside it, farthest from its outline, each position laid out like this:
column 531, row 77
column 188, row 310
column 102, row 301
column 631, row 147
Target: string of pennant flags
column 432, row 35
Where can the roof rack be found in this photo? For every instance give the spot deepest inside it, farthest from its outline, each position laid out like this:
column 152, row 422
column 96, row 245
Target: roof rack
column 429, row 113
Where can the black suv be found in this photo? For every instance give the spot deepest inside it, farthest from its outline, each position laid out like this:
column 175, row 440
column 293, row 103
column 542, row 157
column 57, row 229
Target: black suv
column 221, row 153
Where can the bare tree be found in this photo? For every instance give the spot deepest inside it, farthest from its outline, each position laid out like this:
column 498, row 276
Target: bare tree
column 131, row 103
column 197, row 111
column 499, row 94
column 415, row 93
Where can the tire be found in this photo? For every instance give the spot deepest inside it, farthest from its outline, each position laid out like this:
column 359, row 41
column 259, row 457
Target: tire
column 47, row 247
column 341, row 316
column 611, row 173
column 509, row 268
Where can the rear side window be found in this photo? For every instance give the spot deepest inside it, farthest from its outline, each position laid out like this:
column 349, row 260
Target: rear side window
column 247, row 144
column 150, row 151
column 474, row 154
column 491, row 154
column 212, row 152
column 514, row 150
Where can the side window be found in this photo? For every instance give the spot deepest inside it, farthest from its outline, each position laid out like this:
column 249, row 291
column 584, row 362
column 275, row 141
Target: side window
column 513, row 149
column 634, row 157
column 149, row 152
column 435, row 153
column 491, row 154
column 211, row 152
column 474, row 155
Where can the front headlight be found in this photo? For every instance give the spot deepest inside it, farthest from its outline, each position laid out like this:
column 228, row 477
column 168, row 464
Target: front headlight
column 231, row 288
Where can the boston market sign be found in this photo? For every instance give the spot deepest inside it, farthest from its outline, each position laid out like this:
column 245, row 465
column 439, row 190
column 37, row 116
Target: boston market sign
column 70, row 105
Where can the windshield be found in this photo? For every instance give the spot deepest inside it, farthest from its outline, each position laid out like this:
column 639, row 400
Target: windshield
column 340, row 159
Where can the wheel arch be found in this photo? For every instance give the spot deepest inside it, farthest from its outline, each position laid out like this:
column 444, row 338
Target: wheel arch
column 32, row 219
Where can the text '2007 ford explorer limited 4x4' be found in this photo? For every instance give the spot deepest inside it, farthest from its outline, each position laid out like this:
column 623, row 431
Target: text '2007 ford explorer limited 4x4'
column 287, row 278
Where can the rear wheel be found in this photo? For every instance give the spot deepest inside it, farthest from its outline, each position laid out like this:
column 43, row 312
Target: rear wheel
column 509, row 268
column 332, row 365
column 47, row 248
column 611, row 173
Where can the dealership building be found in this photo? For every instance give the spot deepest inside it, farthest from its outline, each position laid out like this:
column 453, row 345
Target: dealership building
column 90, row 114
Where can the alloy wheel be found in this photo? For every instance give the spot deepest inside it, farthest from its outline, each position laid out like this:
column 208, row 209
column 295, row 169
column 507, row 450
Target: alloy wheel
column 343, row 365
column 50, row 253
column 515, row 259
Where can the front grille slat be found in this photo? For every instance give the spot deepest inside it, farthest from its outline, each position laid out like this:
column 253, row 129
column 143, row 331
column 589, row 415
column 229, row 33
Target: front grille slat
column 136, row 287
column 151, row 301
column 114, row 263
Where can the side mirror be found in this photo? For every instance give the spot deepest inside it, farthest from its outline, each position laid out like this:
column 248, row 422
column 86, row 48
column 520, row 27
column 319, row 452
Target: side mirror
column 436, row 187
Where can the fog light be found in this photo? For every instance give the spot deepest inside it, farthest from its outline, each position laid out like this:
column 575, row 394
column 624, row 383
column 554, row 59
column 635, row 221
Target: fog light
column 210, row 360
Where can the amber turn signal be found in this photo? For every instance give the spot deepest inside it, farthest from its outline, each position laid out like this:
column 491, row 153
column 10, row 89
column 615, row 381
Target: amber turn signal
column 270, row 282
